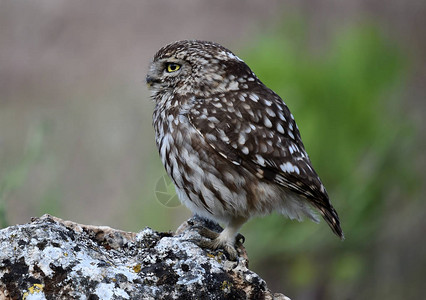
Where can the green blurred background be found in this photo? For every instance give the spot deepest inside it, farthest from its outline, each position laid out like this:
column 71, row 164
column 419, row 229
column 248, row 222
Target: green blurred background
column 76, row 138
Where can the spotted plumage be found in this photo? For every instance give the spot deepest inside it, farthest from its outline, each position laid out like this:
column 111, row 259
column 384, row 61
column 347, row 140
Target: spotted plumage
column 229, row 143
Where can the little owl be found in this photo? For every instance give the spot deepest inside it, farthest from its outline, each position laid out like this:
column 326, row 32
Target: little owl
column 229, row 143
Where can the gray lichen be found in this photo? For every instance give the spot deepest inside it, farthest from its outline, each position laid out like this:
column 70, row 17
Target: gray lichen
column 54, row 259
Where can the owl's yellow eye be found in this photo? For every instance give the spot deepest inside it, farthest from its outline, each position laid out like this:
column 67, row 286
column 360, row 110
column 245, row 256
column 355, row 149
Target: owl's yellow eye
column 172, row 67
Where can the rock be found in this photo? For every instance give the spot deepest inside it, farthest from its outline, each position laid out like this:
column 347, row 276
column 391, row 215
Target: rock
column 50, row 258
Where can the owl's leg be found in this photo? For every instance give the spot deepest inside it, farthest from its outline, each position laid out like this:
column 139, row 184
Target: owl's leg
column 225, row 240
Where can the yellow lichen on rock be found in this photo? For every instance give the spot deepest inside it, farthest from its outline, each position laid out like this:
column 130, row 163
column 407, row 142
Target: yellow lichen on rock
column 34, row 289
column 137, row 268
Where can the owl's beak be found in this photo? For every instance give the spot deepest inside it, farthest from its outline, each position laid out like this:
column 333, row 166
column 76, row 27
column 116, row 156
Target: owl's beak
column 150, row 80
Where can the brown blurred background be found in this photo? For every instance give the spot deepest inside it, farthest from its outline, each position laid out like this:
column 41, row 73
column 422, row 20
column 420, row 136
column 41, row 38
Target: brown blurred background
column 76, row 138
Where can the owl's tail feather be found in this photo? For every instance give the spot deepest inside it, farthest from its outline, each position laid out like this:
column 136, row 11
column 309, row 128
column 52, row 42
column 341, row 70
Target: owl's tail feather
column 330, row 216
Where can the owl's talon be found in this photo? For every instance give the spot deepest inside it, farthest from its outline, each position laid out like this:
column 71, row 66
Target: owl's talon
column 240, row 238
column 232, row 252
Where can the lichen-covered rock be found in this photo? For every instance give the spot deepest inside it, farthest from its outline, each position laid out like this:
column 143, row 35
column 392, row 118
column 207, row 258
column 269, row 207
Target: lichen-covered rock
column 54, row 259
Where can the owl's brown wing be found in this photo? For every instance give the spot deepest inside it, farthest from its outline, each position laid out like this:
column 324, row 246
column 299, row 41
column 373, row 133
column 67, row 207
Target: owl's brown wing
column 258, row 132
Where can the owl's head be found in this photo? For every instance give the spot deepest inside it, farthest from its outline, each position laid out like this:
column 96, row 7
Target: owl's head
column 195, row 67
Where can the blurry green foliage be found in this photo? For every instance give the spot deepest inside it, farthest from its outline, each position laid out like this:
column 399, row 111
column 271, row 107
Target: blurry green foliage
column 14, row 177
column 346, row 101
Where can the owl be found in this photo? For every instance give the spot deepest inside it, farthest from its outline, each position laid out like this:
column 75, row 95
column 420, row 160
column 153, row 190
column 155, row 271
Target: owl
column 229, row 143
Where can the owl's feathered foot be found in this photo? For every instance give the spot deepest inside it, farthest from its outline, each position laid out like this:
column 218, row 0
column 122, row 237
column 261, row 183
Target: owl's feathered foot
column 215, row 241
column 213, row 237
